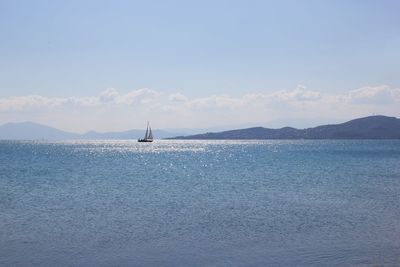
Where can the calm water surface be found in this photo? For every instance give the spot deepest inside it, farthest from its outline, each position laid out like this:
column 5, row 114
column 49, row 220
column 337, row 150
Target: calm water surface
column 200, row 203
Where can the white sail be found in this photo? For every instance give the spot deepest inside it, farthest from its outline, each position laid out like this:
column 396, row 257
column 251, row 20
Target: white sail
column 147, row 132
column 148, row 136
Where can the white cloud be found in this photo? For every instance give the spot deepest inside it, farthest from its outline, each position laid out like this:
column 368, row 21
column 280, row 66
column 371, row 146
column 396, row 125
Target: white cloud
column 177, row 97
column 298, row 94
column 178, row 110
column 140, row 96
column 215, row 102
column 87, row 102
column 30, row 102
column 109, row 95
column 379, row 95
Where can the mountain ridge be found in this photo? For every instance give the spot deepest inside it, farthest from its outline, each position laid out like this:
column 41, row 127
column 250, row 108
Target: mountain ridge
column 372, row 127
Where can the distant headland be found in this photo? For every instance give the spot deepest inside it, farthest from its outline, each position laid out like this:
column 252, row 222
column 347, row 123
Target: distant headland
column 373, row 127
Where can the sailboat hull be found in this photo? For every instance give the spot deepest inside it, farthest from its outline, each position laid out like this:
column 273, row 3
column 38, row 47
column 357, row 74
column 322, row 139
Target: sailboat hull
column 145, row 140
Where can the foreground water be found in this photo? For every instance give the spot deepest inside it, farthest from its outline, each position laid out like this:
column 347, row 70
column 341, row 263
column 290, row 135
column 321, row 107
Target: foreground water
column 200, row 203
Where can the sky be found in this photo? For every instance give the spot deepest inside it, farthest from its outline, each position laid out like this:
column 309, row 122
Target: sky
column 114, row 65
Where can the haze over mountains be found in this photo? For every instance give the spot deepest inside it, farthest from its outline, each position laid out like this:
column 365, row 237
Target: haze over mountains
column 36, row 131
column 373, row 127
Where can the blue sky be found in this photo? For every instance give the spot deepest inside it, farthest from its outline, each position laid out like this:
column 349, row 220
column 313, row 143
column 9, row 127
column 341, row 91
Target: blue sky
column 56, row 55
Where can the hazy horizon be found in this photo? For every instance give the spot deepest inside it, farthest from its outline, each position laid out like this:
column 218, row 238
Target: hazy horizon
column 168, row 132
column 81, row 66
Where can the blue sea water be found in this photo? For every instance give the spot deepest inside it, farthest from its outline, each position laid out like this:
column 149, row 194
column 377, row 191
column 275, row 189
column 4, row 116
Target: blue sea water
column 200, row 203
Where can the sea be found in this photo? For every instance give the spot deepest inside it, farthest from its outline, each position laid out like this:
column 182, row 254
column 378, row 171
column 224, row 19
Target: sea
column 200, row 203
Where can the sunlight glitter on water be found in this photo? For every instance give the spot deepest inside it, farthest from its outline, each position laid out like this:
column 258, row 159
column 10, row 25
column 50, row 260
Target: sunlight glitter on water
column 211, row 203
column 157, row 146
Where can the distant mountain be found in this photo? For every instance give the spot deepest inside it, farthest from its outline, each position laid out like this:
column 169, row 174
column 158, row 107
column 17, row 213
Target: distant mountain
column 36, row 131
column 373, row 127
column 32, row 131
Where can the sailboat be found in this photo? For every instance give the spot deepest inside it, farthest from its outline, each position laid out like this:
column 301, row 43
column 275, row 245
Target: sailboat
column 148, row 137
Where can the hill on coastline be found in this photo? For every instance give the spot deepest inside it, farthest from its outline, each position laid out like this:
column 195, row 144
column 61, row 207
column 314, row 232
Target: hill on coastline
column 373, row 127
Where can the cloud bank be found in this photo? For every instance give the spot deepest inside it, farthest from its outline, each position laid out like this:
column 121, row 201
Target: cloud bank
column 179, row 110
